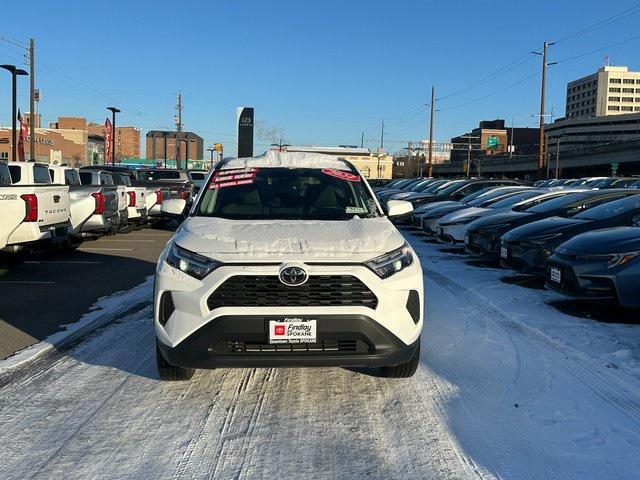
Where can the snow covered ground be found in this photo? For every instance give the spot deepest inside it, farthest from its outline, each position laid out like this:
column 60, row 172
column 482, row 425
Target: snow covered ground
column 508, row 387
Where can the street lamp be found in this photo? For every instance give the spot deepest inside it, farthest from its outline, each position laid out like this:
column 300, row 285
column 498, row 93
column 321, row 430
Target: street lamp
column 14, row 74
column 114, row 110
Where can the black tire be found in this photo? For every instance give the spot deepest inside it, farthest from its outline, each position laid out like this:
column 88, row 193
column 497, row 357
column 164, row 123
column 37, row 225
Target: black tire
column 404, row 370
column 170, row 372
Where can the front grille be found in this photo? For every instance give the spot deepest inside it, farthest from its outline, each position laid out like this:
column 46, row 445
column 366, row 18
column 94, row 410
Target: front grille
column 268, row 291
column 342, row 346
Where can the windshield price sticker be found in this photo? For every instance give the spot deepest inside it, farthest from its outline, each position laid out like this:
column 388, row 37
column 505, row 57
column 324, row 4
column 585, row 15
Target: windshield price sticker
column 342, row 175
column 232, row 178
column 355, row 210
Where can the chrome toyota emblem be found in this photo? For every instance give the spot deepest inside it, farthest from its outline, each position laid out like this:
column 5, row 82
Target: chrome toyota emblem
column 293, row 276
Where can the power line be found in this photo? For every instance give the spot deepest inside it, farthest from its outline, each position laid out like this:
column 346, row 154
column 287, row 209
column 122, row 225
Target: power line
column 599, row 49
column 607, row 21
column 487, row 78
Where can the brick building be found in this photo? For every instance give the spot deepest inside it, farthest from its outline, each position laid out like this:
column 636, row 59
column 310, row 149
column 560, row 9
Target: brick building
column 162, row 144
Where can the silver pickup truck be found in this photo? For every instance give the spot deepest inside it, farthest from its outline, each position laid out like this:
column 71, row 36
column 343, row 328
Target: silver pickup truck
column 35, row 212
column 105, row 218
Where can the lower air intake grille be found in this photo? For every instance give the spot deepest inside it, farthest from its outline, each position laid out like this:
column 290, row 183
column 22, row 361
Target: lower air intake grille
column 328, row 346
column 268, row 291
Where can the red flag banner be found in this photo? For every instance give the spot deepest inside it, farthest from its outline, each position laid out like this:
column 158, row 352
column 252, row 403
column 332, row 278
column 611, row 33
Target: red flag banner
column 108, row 132
column 21, row 137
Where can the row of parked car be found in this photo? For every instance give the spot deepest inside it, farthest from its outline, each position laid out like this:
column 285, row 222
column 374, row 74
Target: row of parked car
column 582, row 236
column 56, row 206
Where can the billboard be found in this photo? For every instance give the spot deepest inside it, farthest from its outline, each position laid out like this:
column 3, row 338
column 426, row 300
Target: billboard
column 245, row 131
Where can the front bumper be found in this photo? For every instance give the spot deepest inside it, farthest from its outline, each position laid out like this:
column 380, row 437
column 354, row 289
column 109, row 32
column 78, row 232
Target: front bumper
column 451, row 233
column 240, row 341
column 484, row 245
column 197, row 333
column 582, row 280
column 524, row 257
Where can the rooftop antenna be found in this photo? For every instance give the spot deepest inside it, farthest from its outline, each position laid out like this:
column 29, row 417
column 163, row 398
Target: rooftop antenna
column 606, row 60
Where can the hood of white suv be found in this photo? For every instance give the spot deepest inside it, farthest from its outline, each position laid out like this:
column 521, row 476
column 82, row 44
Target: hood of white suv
column 357, row 240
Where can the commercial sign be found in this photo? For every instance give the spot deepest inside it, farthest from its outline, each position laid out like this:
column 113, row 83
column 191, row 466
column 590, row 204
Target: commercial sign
column 40, row 140
column 245, row 131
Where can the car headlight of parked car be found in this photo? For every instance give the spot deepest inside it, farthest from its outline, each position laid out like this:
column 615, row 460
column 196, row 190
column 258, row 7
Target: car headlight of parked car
column 193, row 264
column 613, row 260
column 391, row 263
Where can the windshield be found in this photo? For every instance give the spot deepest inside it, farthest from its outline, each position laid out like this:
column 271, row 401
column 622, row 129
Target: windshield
column 198, row 175
column 148, row 175
column 611, row 209
column 511, row 199
column 556, row 203
column 450, row 188
column 286, row 193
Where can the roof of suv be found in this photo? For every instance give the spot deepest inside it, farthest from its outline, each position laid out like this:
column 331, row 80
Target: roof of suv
column 275, row 159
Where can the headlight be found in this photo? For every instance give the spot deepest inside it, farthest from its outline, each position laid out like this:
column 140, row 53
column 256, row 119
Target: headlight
column 545, row 238
column 613, row 260
column 390, row 263
column 190, row 263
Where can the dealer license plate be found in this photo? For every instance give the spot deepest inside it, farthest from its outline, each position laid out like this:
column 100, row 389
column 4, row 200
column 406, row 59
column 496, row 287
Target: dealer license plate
column 556, row 275
column 293, row 330
column 504, row 252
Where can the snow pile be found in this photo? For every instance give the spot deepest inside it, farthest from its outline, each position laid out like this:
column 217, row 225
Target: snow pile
column 312, row 238
column 276, row 159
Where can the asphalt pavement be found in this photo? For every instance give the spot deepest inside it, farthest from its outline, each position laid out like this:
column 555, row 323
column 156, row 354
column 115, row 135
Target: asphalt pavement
column 48, row 291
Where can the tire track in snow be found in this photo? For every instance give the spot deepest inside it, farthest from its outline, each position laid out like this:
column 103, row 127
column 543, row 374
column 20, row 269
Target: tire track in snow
column 571, row 360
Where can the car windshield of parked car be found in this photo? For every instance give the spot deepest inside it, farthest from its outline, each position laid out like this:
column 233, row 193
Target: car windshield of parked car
column 488, row 197
column 287, row 193
column 150, row 175
column 448, row 189
column 511, row 199
column 603, row 183
column 198, row 175
column 563, row 201
column 611, row 209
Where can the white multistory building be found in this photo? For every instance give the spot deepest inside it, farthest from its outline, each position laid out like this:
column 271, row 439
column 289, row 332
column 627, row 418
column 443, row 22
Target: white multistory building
column 610, row 91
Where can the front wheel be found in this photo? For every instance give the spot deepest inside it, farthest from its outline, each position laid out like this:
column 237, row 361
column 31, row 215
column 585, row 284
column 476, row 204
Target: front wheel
column 170, row 372
column 404, row 370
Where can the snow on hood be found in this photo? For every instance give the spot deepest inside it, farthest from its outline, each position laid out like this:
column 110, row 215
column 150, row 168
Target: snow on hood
column 276, row 159
column 278, row 240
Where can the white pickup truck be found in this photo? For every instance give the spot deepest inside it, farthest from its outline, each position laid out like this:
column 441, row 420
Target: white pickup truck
column 121, row 189
column 81, row 197
column 34, row 211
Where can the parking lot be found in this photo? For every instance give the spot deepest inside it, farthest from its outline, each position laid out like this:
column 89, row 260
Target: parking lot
column 48, row 291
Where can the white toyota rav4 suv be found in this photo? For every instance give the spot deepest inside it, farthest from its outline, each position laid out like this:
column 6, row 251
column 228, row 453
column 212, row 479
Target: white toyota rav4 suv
column 287, row 259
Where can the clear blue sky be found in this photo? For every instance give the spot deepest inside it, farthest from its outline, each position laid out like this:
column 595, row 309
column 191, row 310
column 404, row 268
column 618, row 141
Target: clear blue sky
column 317, row 72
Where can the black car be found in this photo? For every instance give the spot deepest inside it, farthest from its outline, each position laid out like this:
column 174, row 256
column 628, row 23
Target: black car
column 614, row 183
column 600, row 265
column 483, row 235
column 527, row 247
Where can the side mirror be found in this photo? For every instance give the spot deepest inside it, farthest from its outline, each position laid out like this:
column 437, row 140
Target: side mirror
column 174, row 208
column 397, row 208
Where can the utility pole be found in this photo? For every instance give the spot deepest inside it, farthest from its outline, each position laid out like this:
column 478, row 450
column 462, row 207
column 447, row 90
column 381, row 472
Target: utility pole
column 178, row 130
column 433, row 101
column 541, row 152
column 382, row 136
column 32, row 99
column 557, row 156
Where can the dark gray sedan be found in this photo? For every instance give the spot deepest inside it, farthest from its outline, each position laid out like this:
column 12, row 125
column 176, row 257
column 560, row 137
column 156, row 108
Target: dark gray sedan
column 599, row 265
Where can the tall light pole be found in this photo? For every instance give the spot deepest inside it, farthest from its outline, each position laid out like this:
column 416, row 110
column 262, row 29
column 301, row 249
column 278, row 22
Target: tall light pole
column 113, row 110
column 14, row 108
column 512, row 147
